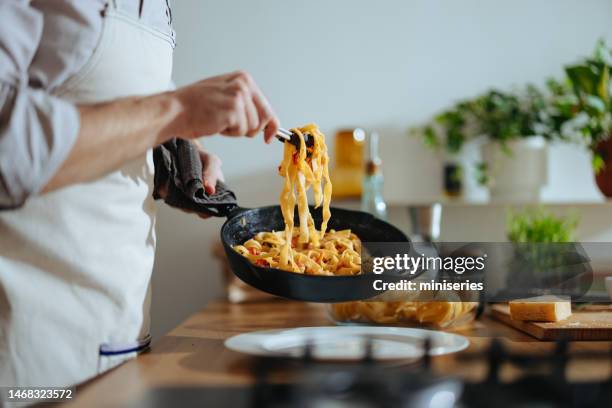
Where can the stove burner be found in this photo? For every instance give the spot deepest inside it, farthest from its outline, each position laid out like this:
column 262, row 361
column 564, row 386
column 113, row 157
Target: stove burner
column 309, row 384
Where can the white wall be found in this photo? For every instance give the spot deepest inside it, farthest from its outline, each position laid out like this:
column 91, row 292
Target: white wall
column 383, row 65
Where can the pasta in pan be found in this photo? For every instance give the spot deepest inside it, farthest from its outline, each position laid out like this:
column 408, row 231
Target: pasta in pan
column 305, row 249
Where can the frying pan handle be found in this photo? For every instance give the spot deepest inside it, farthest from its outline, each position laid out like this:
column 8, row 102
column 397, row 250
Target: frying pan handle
column 236, row 211
column 227, row 210
column 219, row 210
column 221, row 204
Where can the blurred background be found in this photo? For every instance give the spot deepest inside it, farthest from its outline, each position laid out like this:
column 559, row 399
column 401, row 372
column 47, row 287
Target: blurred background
column 384, row 66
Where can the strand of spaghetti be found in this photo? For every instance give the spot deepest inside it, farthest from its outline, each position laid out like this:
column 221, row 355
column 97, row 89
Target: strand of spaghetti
column 308, row 232
column 303, row 212
column 327, row 191
column 287, row 204
column 317, row 167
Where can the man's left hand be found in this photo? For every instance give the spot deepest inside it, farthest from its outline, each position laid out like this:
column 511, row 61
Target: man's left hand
column 211, row 172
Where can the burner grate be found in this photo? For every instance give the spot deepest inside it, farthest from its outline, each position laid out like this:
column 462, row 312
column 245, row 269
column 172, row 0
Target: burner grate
column 309, row 383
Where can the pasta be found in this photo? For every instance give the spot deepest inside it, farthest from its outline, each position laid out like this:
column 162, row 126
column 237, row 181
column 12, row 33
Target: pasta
column 440, row 314
column 305, row 249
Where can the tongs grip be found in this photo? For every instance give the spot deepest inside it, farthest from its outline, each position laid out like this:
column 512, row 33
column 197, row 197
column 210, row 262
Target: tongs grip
column 287, row 136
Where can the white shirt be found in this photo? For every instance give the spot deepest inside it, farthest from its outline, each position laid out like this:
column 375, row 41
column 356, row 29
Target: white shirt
column 42, row 44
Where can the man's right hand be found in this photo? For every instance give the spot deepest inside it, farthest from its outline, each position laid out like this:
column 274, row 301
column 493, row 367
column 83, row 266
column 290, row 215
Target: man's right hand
column 115, row 132
column 230, row 104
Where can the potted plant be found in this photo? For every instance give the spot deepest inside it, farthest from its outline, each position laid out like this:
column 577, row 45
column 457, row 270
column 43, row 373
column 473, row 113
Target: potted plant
column 546, row 260
column 540, row 226
column 515, row 128
column 582, row 109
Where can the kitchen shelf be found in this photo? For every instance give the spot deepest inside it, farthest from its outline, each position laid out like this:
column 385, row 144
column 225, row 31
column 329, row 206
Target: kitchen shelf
column 447, row 202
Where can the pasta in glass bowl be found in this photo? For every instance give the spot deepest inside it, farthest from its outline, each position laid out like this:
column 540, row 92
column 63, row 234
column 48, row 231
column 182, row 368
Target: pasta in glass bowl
column 436, row 314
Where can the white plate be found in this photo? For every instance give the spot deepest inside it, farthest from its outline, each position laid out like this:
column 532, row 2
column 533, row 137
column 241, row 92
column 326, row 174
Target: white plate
column 346, row 342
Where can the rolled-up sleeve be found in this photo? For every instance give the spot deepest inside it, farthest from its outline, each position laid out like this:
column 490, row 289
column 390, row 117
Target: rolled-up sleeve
column 37, row 134
column 37, row 130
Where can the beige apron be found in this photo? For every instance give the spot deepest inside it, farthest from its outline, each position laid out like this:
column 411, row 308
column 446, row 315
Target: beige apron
column 75, row 264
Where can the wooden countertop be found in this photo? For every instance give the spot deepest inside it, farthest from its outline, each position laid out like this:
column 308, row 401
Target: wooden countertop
column 193, row 353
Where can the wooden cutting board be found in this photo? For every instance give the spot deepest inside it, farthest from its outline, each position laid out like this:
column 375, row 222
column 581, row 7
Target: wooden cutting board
column 589, row 323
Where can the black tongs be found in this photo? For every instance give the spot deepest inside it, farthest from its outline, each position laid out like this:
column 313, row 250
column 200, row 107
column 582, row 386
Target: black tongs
column 287, row 136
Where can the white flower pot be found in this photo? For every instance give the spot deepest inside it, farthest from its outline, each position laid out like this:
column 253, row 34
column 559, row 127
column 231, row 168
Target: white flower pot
column 517, row 175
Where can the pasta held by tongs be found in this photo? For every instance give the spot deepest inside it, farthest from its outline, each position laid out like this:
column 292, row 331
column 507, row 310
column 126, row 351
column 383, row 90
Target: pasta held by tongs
column 305, row 249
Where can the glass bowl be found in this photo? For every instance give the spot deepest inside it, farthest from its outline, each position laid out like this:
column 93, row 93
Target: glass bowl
column 428, row 314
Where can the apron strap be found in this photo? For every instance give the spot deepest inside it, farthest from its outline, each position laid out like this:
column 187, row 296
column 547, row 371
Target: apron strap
column 114, row 349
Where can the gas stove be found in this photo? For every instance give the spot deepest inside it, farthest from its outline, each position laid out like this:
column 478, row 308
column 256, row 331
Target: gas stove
column 308, row 383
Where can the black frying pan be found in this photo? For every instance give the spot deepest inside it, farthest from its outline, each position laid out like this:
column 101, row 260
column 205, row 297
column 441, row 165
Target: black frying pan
column 242, row 224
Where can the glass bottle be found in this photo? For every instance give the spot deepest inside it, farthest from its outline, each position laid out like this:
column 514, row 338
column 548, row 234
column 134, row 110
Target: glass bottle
column 372, row 196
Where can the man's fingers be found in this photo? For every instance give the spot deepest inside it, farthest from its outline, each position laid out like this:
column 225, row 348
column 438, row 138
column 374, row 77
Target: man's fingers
column 210, row 182
column 237, row 121
column 239, row 74
column 242, row 88
column 267, row 118
column 258, row 112
column 271, row 130
column 212, row 172
column 252, row 117
column 245, row 109
column 231, row 104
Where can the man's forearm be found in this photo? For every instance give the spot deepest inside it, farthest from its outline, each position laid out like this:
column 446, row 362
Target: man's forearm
column 114, row 133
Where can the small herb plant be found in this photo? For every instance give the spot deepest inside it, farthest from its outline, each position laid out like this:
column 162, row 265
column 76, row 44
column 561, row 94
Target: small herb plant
column 540, row 226
column 544, row 253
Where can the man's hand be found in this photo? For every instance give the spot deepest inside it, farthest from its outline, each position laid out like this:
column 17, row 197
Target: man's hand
column 230, row 104
column 211, row 173
column 211, row 170
column 115, row 132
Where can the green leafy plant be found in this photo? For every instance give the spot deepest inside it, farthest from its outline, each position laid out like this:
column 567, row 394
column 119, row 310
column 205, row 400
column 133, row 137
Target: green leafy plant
column 540, row 226
column 500, row 116
column 482, row 173
column 581, row 106
column 576, row 108
column 545, row 255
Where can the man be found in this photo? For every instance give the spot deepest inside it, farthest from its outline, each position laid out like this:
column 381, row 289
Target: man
column 83, row 100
